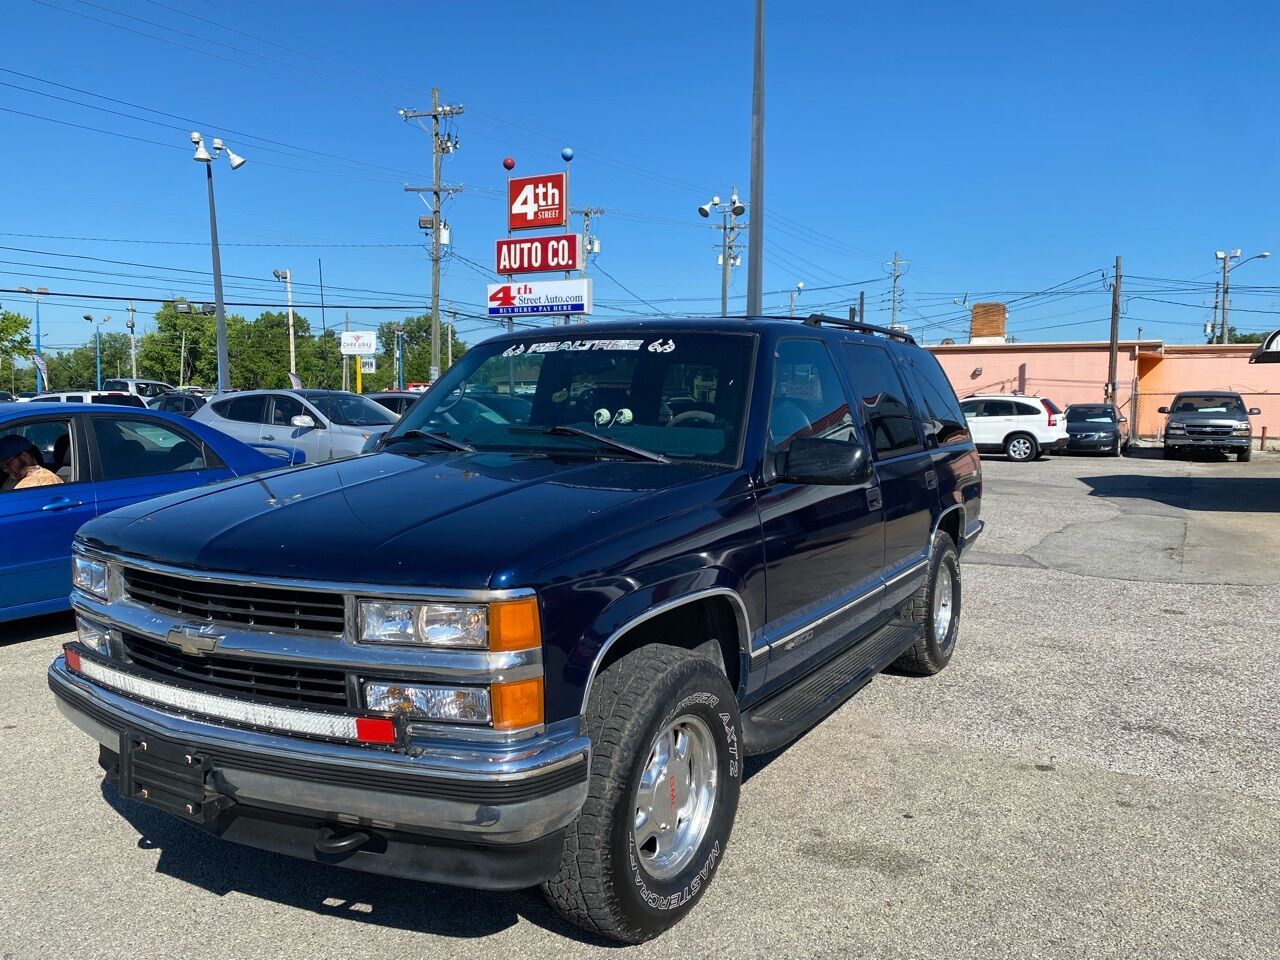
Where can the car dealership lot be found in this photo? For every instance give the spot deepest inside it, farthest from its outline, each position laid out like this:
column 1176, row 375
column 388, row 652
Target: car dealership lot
column 1096, row 774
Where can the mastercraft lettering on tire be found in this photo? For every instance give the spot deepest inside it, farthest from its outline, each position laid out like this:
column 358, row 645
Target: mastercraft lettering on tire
column 531, row 637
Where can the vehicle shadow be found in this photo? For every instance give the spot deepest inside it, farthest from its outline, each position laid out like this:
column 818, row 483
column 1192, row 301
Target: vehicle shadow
column 34, row 628
column 192, row 856
column 1215, row 494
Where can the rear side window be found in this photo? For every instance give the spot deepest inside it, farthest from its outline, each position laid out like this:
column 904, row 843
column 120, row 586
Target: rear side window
column 244, row 409
column 114, row 385
column 1027, row 410
column 1050, row 406
column 121, row 399
column 882, row 398
column 943, row 419
column 999, row 408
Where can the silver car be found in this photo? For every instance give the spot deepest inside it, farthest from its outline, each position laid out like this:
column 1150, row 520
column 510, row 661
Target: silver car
column 322, row 424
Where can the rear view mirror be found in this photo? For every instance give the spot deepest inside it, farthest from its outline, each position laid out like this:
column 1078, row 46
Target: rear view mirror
column 834, row 462
column 302, row 422
column 1163, row 410
column 1255, row 411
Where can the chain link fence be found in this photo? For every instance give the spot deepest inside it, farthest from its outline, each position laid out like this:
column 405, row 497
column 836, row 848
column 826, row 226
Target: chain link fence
column 1146, row 422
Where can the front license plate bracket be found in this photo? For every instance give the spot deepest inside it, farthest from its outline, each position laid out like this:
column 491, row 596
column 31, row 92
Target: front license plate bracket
column 169, row 776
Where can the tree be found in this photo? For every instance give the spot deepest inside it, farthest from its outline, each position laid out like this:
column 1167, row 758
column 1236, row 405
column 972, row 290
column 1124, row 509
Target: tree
column 417, row 351
column 1234, row 336
column 14, row 334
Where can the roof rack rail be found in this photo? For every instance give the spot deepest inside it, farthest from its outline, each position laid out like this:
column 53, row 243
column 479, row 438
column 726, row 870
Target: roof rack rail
column 818, row 319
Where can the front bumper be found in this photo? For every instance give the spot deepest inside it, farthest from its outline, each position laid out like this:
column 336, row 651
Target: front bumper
column 1077, row 442
column 473, row 815
column 1059, row 444
column 1184, row 441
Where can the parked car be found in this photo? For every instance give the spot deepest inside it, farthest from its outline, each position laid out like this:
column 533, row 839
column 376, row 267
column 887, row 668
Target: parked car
column 1095, row 428
column 1023, row 428
column 116, row 397
column 322, row 424
column 6, row 396
column 142, row 388
column 106, row 457
column 1208, row 420
column 423, row 662
column 183, row 404
column 397, row 401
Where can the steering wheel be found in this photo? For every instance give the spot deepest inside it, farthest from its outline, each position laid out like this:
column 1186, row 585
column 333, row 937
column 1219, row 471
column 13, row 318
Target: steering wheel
column 693, row 418
column 452, row 398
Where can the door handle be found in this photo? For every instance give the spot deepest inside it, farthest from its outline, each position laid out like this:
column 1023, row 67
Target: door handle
column 931, row 479
column 267, row 436
column 62, row 503
column 875, row 500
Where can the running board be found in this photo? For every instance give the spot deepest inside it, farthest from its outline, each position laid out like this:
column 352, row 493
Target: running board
column 777, row 721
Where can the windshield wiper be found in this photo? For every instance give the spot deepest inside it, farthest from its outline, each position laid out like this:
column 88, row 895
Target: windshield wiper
column 561, row 430
column 437, row 438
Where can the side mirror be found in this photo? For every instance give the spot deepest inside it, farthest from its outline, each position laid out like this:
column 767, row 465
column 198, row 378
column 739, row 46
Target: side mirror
column 303, row 422
column 1255, row 411
column 833, row 462
column 1123, row 420
column 1163, row 410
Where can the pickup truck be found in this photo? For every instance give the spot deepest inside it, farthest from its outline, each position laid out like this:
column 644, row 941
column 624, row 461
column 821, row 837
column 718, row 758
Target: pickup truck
column 533, row 643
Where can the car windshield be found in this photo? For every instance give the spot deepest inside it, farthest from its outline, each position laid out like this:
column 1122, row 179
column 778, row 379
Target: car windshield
column 682, row 395
column 1207, row 403
column 1098, row 414
column 351, row 410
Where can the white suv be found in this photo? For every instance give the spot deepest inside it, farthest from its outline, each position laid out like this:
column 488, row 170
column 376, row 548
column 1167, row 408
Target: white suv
column 1022, row 427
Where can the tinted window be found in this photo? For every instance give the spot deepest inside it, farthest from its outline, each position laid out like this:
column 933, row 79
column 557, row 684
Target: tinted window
column 244, row 409
column 1207, row 403
column 998, row 408
column 1095, row 414
column 1026, row 410
column 114, row 385
column 1050, row 405
column 808, row 399
column 943, row 419
column 50, row 398
column 284, row 409
column 137, row 448
column 883, row 399
column 120, row 399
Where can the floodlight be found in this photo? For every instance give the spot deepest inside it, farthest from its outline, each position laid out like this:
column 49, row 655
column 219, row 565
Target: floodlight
column 235, row 159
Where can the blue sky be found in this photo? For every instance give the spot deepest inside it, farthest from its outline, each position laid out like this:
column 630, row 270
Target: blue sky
column 1001, row 148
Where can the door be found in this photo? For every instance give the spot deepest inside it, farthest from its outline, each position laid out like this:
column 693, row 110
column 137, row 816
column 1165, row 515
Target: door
column 137, row 459
column 908, row 481
column 279, row 428
column 39, row 523
column 823, row 545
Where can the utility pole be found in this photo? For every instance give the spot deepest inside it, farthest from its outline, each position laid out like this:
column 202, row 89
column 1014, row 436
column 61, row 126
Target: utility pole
column 287, row 277
column 440, row 145
column 346, row 374
column 590, row 244
column 1217, row 303
column 133, row 344
column 730, row 229
column 182, row 360
column 862, row 306
column 1115, row 337
column 1223, row 334
column 896, row 272
column 755, row 235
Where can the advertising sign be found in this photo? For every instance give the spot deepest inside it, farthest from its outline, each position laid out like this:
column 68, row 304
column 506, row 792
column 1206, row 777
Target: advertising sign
column 359, row 343
column 535, row 202
column 368, row 364
column 539, row 296
column 560, row 251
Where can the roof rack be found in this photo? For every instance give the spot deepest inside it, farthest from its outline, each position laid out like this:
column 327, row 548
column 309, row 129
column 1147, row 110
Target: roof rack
column 818, row 319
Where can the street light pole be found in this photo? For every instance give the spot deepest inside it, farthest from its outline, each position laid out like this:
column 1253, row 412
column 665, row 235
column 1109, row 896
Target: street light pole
column 755, row 235
column 97, row 344
column 1224, row 335
column 287, row 277
column 791, row 310
column 219, row 311
column 729, row 227
column 38, row 294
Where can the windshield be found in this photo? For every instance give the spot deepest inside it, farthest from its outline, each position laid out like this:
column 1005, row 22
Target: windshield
column 1098, row 414
column 682, row 395
column 351, row 410
column 1202, row 403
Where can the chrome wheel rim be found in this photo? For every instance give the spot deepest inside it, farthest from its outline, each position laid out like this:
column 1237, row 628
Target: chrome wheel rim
column 943, row 601
column 675, row 797
column 1020, row 449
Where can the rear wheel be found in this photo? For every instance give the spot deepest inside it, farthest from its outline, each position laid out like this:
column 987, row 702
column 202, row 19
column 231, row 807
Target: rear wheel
column 1021, row 447
column 935, row 607
column 665, row 774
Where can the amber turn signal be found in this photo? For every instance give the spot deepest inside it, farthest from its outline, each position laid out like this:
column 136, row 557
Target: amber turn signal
column 514, row 625
column 516, row 705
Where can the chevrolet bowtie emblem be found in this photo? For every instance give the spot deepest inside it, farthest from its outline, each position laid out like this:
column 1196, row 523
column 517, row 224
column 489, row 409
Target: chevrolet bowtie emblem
column 194, row 639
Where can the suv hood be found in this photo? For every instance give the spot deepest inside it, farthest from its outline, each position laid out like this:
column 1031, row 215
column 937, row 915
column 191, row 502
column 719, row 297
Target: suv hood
column 445, row 520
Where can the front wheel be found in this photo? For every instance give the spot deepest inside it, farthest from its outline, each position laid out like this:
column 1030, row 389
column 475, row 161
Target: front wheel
column 1020, row 448
column 936, row 608
column 666, row 769
column 1245, row 455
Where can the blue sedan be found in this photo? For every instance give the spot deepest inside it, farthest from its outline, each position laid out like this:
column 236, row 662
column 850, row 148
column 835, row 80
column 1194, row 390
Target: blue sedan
column 106, row 457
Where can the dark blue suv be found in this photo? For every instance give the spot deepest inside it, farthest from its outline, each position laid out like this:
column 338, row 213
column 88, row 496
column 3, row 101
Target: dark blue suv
column 532, row 636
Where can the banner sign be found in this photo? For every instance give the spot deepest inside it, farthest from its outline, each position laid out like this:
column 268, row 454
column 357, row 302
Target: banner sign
column 560, row 251
column 538, row 297
column 359, row 343
column 535, row 202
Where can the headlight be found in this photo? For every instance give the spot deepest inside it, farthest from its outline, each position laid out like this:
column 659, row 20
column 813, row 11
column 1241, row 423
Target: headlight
column 1241, row 429
column 505, row 625
column 447, row 704
column 93, row 635
column 89, row 575
column 1174, row 428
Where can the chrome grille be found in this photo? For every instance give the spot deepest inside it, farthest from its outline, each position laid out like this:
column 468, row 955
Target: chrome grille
column 264, row 608
column 1208, row 431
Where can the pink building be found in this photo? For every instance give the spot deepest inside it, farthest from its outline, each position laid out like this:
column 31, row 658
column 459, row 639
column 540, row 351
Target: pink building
column 1149, row 373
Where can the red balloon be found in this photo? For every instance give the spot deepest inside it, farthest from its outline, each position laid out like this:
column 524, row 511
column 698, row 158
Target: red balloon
column 509, row 162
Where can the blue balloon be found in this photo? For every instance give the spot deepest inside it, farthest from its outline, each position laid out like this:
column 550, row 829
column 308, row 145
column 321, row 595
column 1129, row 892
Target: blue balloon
column 567, row 153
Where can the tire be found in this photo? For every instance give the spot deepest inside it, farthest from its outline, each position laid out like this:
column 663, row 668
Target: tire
column 1245, row 455
column 610, row 882
column 1116, row 451
column 928, row 605
column 1021, row 447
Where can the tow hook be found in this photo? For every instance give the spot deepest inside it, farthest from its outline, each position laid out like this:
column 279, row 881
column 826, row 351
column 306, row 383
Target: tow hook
column 332, row 841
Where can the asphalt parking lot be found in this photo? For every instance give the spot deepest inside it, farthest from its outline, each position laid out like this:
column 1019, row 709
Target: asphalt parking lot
column 1096, row 774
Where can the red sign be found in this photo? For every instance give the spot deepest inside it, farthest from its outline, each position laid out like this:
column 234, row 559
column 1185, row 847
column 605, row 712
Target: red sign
column 561, row 251
column 541, row 201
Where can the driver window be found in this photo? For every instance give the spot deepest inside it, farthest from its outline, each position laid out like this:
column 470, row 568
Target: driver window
column 284, row 409
column 50, row 447
column 808, row 400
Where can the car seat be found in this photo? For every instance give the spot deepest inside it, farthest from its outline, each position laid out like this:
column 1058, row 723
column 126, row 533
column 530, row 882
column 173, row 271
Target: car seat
column 62, row 457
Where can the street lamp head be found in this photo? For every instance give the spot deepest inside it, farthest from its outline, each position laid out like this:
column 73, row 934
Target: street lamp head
column 1220, row 255
column 799, row 286
column 704, row 210
column 201, row 155
column 89, row 317
column 738, row 209
column 277, row 274
column 1235, row 254
column 234, row 159
column 1264, row 254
